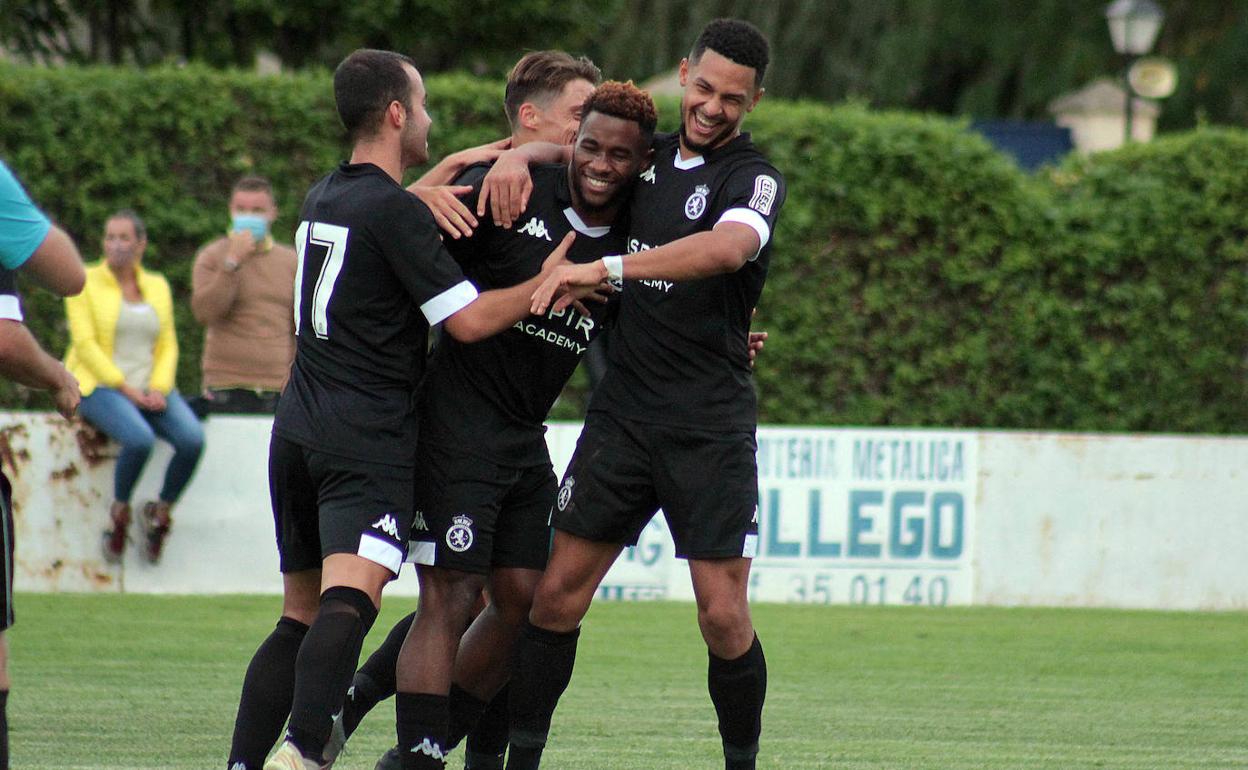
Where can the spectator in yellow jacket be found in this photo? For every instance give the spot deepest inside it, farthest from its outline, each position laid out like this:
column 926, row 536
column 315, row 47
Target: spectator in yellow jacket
column 124, row 352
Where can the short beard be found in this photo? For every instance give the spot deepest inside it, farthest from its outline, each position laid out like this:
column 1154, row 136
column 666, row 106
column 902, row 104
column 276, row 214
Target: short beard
column 706, row 146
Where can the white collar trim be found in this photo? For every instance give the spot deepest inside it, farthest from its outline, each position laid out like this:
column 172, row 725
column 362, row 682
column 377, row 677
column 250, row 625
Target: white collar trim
column 579, row 225
column 686, row 165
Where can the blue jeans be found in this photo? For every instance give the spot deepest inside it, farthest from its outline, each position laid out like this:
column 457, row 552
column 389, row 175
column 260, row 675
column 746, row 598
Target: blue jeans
column 136, row 430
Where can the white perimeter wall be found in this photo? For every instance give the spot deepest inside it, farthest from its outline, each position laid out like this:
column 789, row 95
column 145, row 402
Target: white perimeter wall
column 846, row 515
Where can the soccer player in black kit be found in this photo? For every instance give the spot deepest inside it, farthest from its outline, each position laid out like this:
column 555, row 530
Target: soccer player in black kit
column 485, row 486
column 672, row 425
column 372, row 276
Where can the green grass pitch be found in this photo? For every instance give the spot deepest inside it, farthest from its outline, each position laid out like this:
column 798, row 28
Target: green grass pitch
column 110, row 681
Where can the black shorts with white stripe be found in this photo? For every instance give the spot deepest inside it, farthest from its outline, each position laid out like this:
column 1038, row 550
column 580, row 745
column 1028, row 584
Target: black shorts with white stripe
column 325, row 504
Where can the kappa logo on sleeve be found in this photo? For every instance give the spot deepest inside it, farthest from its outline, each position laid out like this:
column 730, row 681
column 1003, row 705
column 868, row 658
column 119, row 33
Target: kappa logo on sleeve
column 764, row 194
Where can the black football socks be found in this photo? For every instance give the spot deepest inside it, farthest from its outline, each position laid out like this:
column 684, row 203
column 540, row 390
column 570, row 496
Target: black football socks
column 422, row 721
column 374, row 682
column 325, row 665
column 544, row 661
column 4, row 730
column 487, row 740
column 737, row 689
column 268, row 688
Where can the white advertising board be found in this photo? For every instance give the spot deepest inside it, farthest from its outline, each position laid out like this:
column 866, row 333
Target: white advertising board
column 846, row 515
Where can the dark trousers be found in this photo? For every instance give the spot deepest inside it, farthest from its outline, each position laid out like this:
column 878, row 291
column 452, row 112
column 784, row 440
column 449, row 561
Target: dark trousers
column 235, row 401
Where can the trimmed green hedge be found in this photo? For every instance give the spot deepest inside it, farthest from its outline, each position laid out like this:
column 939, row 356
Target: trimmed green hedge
column 919, row 278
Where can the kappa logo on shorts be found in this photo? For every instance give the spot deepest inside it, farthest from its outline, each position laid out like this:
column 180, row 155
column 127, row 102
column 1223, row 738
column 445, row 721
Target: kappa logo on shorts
column 565, row 493
column 418, row 524
column 388, row 525
column 238, row 766
column 696, row 203
column 459, row 537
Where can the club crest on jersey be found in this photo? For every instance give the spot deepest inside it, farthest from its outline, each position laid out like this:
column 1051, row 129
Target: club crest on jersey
column 536, row 228
column 388, row 525
column 696, row 203
column 565, row 493
column 459, row 537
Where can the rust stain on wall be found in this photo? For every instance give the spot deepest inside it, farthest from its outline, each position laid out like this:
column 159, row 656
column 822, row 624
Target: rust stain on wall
column 68, row 473
column 92, row 444
column 8, row 456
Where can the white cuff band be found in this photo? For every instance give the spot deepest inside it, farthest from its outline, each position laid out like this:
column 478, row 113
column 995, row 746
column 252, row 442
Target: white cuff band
column 615, row 267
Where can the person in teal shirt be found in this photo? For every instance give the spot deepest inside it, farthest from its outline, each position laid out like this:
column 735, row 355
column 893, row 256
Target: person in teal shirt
column 28, row 240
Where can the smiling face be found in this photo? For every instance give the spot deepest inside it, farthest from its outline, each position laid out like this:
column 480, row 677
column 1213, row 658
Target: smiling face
column 608, row 155
column 718, row 94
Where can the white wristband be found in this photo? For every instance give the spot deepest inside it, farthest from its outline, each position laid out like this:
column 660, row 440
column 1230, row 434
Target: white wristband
column 615, row 267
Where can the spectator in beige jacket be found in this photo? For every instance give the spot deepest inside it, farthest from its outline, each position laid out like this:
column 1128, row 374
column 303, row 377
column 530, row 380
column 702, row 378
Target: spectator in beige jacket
column 243, row 293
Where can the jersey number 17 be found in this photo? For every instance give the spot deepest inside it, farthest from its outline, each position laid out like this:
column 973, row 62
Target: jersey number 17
column 327, row 244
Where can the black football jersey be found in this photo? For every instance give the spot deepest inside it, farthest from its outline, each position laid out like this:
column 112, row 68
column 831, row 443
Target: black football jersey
column 373, row 275
column 679, row 354
column 491, row 397
column 10, row 300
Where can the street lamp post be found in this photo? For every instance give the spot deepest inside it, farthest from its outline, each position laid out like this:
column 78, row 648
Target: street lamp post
column 1133, row 27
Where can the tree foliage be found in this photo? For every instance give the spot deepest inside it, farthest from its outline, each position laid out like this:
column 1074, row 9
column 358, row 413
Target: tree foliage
column 956, row 57
column 476, row 35
column 918, row 277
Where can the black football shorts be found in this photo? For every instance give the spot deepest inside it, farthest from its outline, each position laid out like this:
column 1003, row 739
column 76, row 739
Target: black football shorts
column 325, row 504
column 473, row 515
column 706, row 483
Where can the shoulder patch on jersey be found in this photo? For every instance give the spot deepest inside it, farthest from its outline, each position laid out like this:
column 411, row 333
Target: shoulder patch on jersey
column 764, row 194
column 648, row 175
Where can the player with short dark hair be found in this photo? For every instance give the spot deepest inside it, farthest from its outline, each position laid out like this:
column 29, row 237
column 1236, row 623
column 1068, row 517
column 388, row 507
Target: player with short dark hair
column 672, row 425
column 373, row 275
column 547, row 83
column 485, row 493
